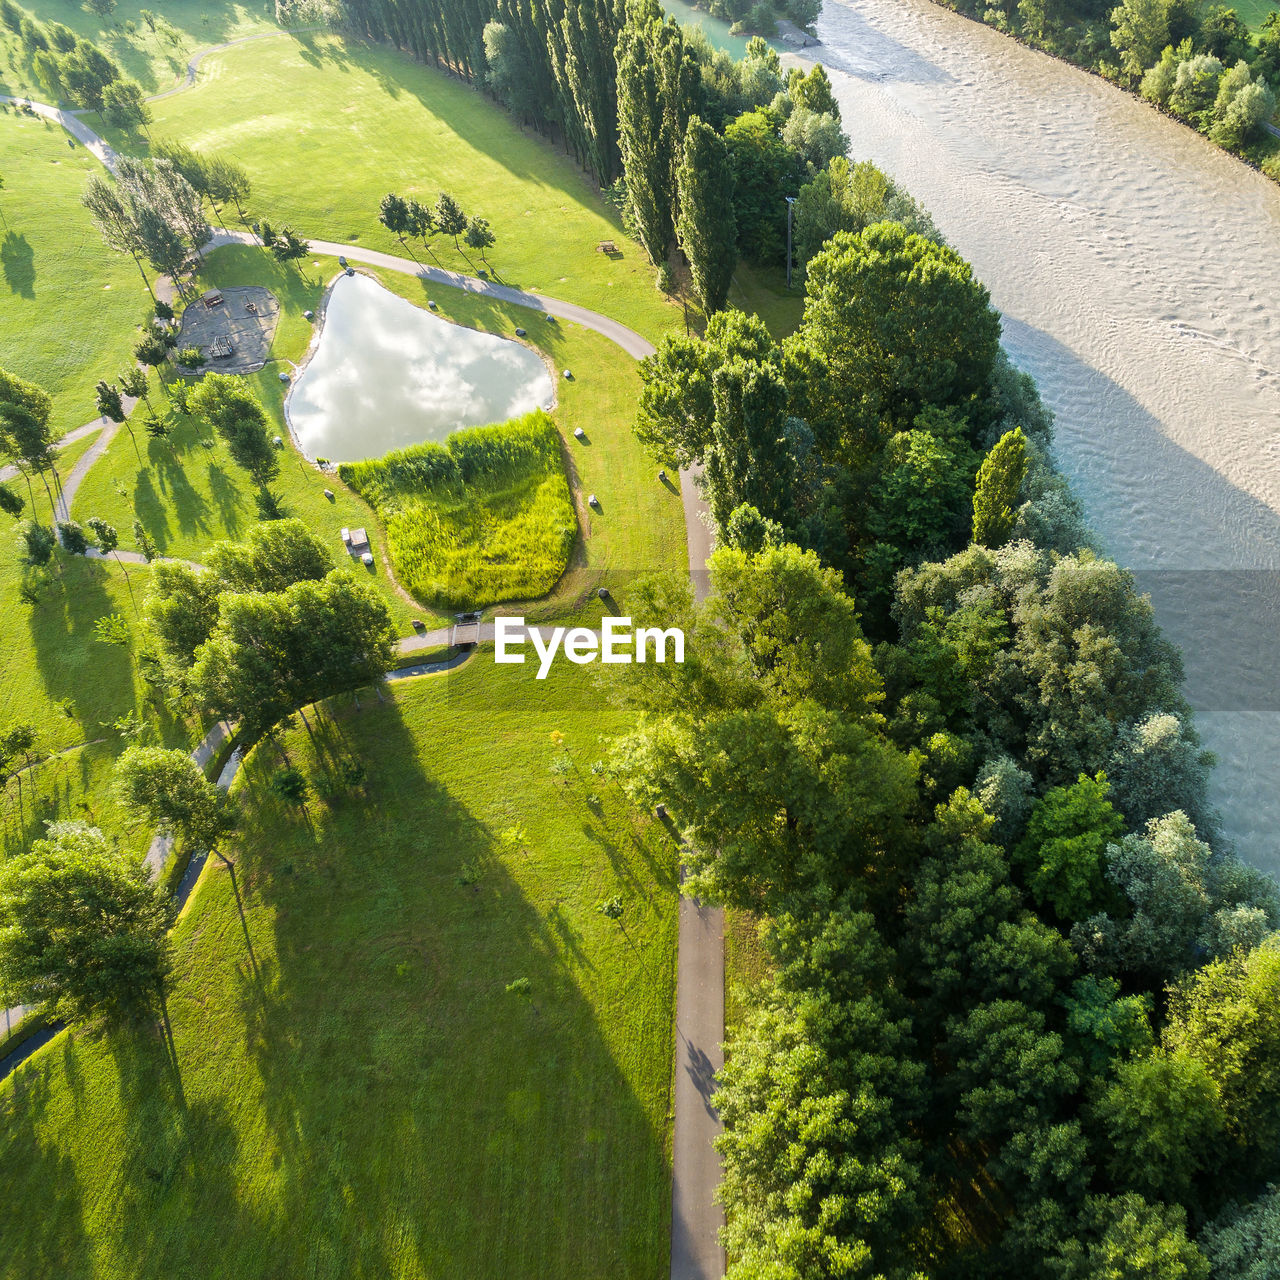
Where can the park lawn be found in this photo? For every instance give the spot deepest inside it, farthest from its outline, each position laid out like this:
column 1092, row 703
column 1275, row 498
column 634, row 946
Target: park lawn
column 354, row 1091
column 325, row 128
column 188, row 504
column 155, row 62
column 1254, row 12
column 68, row 305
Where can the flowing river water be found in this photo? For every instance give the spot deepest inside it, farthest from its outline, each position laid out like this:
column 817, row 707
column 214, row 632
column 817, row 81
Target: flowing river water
column 1137, row 268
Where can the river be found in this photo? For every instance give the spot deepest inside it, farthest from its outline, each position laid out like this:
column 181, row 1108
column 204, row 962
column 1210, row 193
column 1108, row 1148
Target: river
column 1137, row 268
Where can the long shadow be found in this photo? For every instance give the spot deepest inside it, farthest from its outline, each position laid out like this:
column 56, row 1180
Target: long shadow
column 396, row 929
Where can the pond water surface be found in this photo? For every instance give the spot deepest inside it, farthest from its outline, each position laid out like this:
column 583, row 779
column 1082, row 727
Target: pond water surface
column 386, row 374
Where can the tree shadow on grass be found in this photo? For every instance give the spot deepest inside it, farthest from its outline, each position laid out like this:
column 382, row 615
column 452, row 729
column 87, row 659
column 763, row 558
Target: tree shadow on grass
column 425, row 1117
column 229, row 501
column 19, row 261
column 96, row 678
column 43, row 1233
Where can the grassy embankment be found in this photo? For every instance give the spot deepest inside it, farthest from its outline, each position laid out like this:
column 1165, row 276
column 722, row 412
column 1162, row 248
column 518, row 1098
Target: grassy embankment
column 354, row 1089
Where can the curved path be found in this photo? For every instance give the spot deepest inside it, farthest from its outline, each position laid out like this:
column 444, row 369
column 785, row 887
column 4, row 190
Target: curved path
column 696, row 1253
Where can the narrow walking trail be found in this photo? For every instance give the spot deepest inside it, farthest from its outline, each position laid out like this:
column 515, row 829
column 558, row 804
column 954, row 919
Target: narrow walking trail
column 696, row 1219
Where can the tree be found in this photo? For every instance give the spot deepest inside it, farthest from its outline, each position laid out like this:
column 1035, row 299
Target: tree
column 479, row 236
column 707, row 226
column 1062, row 853
column 765, row 170
column 818, row 139
column 1243, row 1242
column 1126, row 1238
column 152, row 350
column 290, row 247
column 114, row 219
column 73, row 537
column 270, row 654
column 449, row 217
column 109, row 543
column 87, row 71
column 765, row 743
column 125, row 106
column 1161, row 1126
column 181, row 612
column 166, row 787
column 421, row 224
column 25, row 410
column 393, row 213
column 1140, row 31
column 237, row 415
column 144, row 542
column 111, row 406
column 84, row 926
column 901, row 324
column 271, row 558
column 103, row 8
column 1178, row 901
column 814, row 92
column 133, row 383
column 995, row 497
column 1227, row 1015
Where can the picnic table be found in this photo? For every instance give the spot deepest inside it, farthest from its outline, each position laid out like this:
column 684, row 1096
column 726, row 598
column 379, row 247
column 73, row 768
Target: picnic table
column 221, row 347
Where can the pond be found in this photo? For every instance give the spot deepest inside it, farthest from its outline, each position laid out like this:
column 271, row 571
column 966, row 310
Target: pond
column 386, row 374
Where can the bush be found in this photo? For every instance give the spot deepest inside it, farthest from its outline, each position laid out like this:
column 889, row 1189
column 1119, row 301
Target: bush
column 189, row 357
column 483, row 518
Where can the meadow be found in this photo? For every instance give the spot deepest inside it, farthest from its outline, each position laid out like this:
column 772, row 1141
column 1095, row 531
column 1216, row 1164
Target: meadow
column 405, row 1043
column 485, row 517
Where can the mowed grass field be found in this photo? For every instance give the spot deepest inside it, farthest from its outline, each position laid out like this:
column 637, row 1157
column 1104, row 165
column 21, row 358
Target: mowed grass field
column 150, row 57
column 354, row 1091
column 68, row 305
column 325, row 128
column 189, row 496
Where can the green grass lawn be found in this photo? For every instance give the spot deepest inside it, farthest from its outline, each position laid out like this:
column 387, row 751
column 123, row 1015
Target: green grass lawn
column 189, row 496
column 151, row 58
column 485, row 517
column 354, row 1091
column 68, row 306
column 1254, row 12
column 327, row 128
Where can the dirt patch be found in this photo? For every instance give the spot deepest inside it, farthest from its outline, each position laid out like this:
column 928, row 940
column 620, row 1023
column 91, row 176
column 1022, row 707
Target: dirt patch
column 245, row 319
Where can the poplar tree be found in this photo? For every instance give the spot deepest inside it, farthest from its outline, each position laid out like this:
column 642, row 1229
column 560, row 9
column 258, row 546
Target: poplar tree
column 707, row 226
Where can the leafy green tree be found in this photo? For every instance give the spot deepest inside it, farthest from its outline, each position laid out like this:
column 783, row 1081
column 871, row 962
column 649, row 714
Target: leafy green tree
column 766, row 743
column 289, row 246
column 995, row 497
column 73, row 538
column 237, row 415
column 479, row 237
column 11, row 503
column 393, row 213
column 271, row 558
column 1140, row 29
column 1126, row 1238
column 845, row 196
column 1063, row 854
column 1227, row 1016
column 421, row 223
column 181, row 612
column 707, row 226
column 25, row 410
column 510, row 72
column 822, row 1176
column 144, row 542
column 84, row 926
column 87, row 71
column 814, row 92
column 765, row 171
column 270, row 654
column 1103, row 1025
column 900, row 324
column 1243, row 1242
column 115, row 221
column 167, row 787
column 449, row 217
column 152, row 349
column 677, row 409
column 125, row 105
column 1158, row 765
column 1161, row 1126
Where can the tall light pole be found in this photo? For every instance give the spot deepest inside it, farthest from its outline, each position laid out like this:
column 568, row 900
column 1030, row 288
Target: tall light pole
column 790, row 204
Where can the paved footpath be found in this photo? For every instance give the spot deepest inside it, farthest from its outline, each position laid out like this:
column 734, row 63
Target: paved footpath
column 695, row 1217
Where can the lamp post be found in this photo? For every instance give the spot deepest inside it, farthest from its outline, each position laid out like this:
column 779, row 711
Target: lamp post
column 791, row 200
